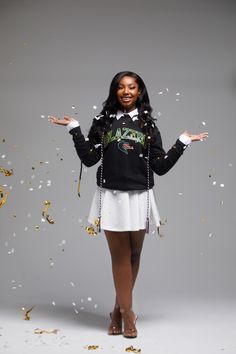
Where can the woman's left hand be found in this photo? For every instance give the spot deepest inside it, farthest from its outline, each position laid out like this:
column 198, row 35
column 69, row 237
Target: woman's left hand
column 196, row 137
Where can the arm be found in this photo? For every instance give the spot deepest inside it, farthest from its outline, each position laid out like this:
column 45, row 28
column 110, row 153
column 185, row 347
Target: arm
column 89, row 153
column 160, row 161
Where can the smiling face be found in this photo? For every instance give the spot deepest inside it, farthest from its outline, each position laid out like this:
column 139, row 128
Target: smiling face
column 127, row 93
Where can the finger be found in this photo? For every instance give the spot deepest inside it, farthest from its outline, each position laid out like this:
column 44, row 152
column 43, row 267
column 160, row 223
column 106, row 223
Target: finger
column 68, row 118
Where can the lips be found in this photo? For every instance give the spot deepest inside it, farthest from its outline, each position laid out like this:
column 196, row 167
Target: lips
column 126, row 99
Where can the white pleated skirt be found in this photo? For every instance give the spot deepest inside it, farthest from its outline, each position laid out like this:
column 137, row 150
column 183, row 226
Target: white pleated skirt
column 124, row 210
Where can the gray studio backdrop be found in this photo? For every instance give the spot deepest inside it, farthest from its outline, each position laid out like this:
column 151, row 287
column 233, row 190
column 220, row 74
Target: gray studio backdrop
column 59, row 54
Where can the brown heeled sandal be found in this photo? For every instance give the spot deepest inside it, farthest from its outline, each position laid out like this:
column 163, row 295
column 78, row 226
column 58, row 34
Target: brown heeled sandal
column 114, row 329
column 130, row 331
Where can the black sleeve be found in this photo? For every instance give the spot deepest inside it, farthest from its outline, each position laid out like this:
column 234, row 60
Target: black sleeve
column 88, row 153
column 160, row 161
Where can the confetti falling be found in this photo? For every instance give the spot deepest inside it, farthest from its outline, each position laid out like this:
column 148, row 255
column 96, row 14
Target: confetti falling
column 3, row 196
column 26, row 315
column 91, row 229
column 6, row 172
column 159, row 228
column 45, row 214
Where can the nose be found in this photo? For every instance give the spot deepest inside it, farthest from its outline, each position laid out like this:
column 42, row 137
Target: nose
column 126, row 90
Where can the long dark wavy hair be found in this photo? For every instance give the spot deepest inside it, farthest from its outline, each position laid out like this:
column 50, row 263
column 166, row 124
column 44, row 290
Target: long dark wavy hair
column 102, row 122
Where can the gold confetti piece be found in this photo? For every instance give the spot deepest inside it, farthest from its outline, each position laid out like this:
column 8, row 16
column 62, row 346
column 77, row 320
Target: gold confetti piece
column 45, row 210
column 92, row 347
column 91, row 229
column 132, row 349
column 3, row 196
column 48, row 331
column 27, row 317
column 6, row 172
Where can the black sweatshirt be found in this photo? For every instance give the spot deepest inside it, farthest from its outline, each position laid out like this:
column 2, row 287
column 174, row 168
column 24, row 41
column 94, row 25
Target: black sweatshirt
column 125, row 159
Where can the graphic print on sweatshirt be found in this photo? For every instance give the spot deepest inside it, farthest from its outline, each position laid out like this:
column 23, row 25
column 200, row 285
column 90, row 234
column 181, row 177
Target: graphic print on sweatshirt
column 122, row 135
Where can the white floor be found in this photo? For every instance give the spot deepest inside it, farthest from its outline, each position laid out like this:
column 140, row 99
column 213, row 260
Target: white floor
column 173, row 326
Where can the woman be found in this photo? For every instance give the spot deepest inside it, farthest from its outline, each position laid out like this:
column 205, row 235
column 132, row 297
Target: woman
column 128, row 143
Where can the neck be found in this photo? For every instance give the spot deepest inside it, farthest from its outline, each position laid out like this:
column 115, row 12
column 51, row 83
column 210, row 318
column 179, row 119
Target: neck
column 127, row 110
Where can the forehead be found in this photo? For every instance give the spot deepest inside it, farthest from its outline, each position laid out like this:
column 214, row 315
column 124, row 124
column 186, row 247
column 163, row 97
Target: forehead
column 127, row 80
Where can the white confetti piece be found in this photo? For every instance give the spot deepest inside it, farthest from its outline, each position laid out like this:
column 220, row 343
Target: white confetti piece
column 203, row 123
column 210, row 235
column 53, row 303
column 222, row 185
column 160, row 92
column 214, row 183
column 72, row 284
column 42, row 116
column 89, row 299
column 3, row 156
column 94, row 107
column 177, row 94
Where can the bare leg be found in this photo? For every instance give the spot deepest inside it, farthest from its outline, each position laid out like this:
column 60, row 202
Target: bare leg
column 120, row 249
column 125, row 249
column 136, row 238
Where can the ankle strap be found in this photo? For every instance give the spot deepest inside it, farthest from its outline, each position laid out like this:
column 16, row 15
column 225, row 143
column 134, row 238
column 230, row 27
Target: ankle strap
column 123, row 310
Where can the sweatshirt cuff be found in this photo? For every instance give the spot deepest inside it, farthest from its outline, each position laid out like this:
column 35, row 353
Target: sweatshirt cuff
column 72, row 124
column 185, row 139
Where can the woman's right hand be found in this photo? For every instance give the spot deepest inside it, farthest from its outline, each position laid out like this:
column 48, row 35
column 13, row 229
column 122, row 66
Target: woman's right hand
column 65, row 121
